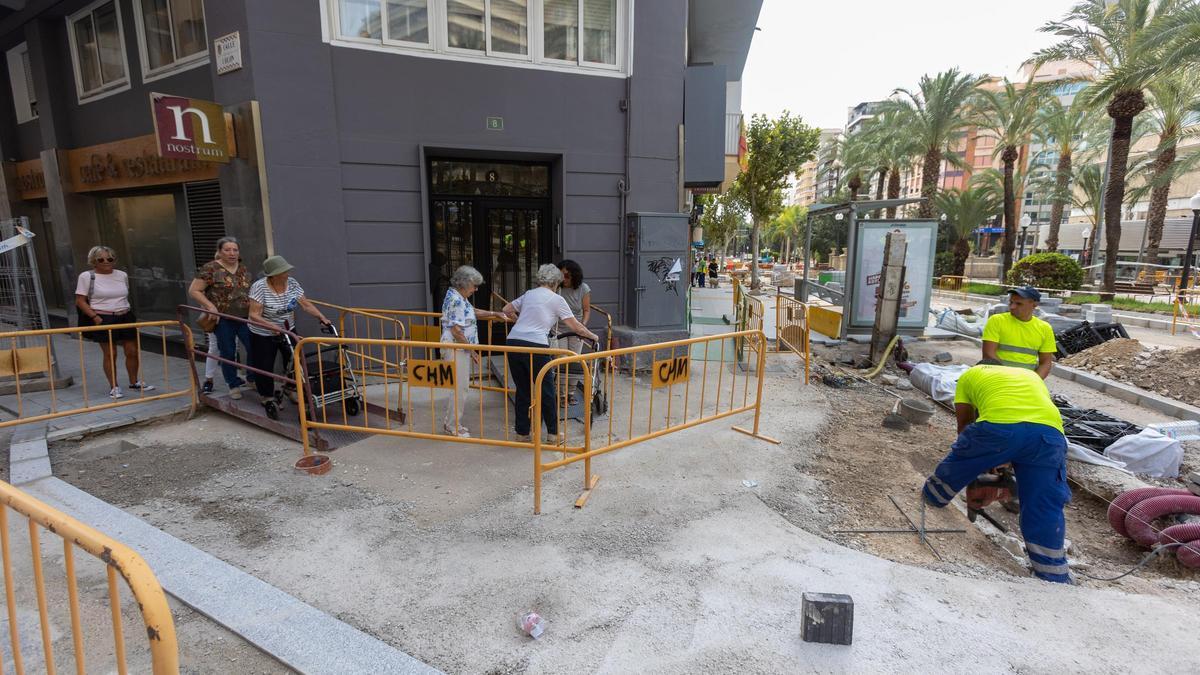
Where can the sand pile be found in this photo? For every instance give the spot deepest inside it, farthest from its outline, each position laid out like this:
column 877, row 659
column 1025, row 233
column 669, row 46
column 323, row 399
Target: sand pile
column 1174, row 373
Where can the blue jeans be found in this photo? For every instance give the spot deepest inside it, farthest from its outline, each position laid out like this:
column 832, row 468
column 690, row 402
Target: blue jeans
column 228, row 333
column 1038, row 454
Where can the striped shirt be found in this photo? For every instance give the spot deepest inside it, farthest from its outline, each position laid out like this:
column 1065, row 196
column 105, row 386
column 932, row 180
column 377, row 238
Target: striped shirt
column 278, row 308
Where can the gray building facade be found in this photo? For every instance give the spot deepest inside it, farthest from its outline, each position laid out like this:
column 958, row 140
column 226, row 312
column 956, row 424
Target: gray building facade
column 380, row 143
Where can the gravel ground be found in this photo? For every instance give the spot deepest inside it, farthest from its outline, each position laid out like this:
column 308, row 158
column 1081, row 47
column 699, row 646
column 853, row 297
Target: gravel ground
column 691, row 556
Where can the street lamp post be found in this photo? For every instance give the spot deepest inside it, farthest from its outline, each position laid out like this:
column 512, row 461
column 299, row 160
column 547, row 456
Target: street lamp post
column 1191, row 245
column 1026, row 221
column 1083, row 255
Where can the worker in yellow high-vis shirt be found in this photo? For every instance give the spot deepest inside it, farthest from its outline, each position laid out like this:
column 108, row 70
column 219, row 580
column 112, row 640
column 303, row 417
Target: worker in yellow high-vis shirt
column 1019, row 339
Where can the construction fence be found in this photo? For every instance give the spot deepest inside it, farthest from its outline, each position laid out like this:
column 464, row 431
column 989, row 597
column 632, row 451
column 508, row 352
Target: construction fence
column 91, row 359
column 651, row 391
column 55, row 600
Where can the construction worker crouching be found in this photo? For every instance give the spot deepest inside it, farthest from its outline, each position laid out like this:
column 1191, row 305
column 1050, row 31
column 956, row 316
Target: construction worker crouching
column 1005, row 415
column 1018, row 338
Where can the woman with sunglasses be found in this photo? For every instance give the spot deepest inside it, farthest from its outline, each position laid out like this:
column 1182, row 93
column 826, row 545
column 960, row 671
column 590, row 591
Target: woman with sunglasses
column 102, row 297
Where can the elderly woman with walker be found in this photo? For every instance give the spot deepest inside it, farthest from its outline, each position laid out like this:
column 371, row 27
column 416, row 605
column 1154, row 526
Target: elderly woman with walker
column 536, row 313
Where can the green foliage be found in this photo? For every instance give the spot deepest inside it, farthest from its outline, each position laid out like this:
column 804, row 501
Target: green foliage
column 943, row 264
column 722, row 216
column 979, row 288
column 775, row 149
column 1047, row 270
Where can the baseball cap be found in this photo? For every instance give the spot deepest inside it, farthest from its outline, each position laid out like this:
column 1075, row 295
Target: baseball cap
column 1027, row 292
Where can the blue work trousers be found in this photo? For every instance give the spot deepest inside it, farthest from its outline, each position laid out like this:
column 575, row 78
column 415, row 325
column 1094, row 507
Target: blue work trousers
column 1038, row 454
column 228, row 334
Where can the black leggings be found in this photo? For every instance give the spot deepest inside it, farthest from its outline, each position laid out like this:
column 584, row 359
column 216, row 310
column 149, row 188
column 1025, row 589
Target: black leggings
column 263, row 349
column 519, row 364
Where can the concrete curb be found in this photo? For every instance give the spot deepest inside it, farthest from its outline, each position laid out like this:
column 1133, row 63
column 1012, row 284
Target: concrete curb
column 1127, row 392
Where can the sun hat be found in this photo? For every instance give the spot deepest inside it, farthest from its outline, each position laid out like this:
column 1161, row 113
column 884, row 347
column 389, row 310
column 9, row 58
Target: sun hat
column 275, row 265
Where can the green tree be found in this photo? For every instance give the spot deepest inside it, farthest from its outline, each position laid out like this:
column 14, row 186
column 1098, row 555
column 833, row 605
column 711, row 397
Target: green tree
column 786, row 229
column 1066, row 129
column 775, row 149
column 722, row 216
column 932, row 116
column 966, row 210
column 1176, row 102
column 1112, row 34
column 897, row 151
column 1010, row 114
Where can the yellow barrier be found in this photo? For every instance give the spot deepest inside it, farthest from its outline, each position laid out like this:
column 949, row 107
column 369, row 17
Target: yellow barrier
column 667, row 374
column 1179, row 308
column 388, row 406
column 792, row 329
column 20, row 361
column 119, row 559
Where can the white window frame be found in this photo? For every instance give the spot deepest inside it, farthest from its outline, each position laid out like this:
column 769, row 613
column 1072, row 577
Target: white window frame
column 23, row 99
column 196, row 60
column 438, row 46
column 105, row 90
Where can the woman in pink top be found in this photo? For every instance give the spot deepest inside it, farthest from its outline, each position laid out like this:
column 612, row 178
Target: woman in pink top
column 102, row 297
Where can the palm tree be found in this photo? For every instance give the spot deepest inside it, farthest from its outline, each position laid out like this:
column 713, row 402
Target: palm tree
column 896, row 151
column 932, row 117
column 1010, row 114
column 857, row 155
column 966, row 210
column 1112, row 33
column 1176, row 102
column 1065, row 129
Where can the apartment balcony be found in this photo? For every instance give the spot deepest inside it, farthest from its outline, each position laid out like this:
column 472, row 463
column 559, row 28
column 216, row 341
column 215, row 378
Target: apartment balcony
column 733, row 133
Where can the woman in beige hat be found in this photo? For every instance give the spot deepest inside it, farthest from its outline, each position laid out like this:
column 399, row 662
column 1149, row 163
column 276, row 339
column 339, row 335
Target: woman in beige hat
column 273, row 302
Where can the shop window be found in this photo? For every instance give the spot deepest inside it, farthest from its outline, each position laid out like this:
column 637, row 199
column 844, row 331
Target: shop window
column 98, row 50
column 553, row 33
column 20, row 74
column 144, row 231
column 172, row 35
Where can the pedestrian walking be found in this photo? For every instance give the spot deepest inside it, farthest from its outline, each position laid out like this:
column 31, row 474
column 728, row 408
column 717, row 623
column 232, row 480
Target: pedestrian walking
column 579, row 298
column 273, row 302
column 223, row 285
column 460, row 325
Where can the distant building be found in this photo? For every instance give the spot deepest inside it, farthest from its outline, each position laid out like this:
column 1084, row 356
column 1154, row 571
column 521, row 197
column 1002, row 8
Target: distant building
column 817, row 178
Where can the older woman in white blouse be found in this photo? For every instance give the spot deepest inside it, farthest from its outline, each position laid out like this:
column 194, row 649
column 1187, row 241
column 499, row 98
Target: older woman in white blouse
column 537, row 312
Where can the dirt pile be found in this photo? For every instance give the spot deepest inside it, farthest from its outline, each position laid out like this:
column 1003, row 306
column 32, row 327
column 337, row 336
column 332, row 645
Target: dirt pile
column 1174, row 373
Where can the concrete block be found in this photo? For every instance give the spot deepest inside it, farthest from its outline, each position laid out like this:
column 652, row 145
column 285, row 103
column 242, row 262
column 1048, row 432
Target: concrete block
column 1096, row 307
column 624, row 336
column 1124, row 393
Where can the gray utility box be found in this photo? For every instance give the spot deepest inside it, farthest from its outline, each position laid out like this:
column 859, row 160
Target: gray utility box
column 657, row 268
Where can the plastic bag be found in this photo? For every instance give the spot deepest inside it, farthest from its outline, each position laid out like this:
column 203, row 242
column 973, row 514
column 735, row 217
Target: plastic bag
column 954, row 322
column 1082, row 453
column 937, row 381
column 1149, row 452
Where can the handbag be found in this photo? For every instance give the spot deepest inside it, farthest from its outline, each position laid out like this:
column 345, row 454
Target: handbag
column 208, row 322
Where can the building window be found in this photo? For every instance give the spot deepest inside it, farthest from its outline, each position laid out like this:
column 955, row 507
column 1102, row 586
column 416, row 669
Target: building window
column 20, row 74
column 98, row 50
column 550, row 33
column 172, row 35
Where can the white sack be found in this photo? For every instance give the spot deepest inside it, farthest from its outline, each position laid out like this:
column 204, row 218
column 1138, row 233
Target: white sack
column 1150, row 453
column 937, row 381
column 1082, row 453
column 954, row 322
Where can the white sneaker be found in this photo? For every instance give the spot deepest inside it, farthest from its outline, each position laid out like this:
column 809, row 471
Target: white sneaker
column 235, row 393
column 115, row 393
column 141, row 386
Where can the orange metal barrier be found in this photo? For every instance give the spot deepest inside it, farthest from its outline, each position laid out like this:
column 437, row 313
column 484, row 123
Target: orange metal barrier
column 1181, row 316
column 792, row 329
column 33, row 352
column 716, row 395
column 435, row 367
column 118, row 558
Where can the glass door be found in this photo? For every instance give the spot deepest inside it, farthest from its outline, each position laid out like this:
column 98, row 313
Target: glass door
column 515, row 248
column 453, row 244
